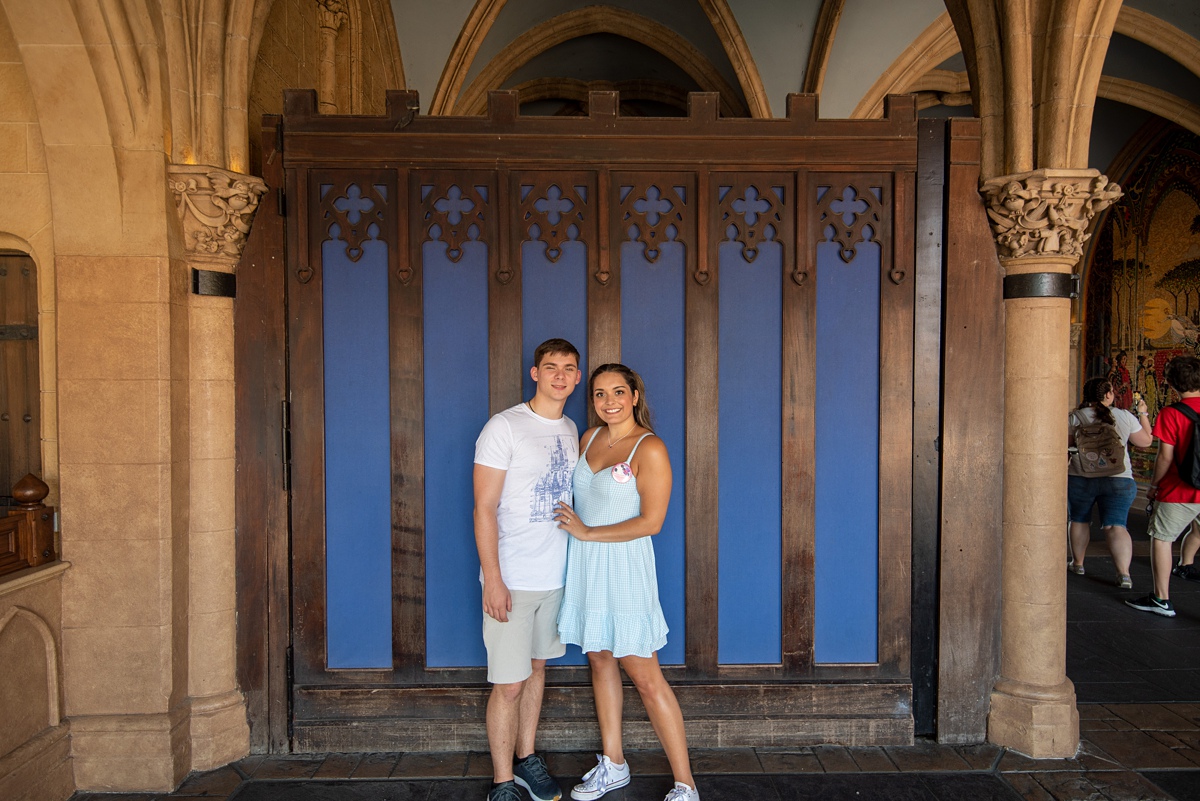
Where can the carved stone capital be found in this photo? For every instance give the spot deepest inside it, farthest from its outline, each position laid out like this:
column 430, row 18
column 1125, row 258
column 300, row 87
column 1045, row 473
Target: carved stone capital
column 1046, row 212
column 331, row 14
column 1076, row 335
column 216, row 208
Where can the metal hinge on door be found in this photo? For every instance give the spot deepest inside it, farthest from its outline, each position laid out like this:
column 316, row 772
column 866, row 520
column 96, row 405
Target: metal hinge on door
column 285, row 440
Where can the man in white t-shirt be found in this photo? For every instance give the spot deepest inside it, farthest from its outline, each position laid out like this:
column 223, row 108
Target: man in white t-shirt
column 524, row 459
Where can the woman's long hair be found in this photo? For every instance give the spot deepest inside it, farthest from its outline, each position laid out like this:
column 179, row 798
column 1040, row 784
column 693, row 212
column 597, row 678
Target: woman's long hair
column 641, row 409
column 1093, row 396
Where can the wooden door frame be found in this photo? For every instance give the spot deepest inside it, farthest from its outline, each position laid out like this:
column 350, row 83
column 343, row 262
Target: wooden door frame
column 264, row 576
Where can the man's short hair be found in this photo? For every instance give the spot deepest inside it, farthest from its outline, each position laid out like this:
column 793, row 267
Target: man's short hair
column 555, row 345
column 1183, row 374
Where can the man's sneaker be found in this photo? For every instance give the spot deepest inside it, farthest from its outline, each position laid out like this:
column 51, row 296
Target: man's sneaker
column 681, row 792
column 504, row 791
column 1125, row 582
column 600, row 779
column 532, row 774
column 1152, row 604
column 1188, row 572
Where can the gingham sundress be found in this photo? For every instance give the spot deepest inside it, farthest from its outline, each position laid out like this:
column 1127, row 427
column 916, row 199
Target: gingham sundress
column 610, row 602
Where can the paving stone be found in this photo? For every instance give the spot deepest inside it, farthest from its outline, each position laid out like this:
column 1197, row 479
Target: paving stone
column 790, row 761
column 1095, row 712
column 980, row 757
column 736, row 788
column 1069, row 786
column 973, row 786
column 375, row 766
column 338, row 766
column 851, row 787
column 288, row 767
column 1149, row 717
column 1027, row 787
column 1137, row 750
column 872, row 760
column 1184, row 785
column 725, row 760
column 926, row 755
column 445, row 765
column 218, row 783
column 247, row 765
column 344, row 790
column 836, row 759
column 1125, row 785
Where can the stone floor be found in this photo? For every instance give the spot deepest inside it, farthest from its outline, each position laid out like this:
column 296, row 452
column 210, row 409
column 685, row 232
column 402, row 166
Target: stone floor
column 1137, row 677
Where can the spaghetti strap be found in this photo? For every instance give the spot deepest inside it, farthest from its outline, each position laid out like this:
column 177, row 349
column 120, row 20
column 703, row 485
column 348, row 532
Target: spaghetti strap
column 635, row 445
column 593, row 439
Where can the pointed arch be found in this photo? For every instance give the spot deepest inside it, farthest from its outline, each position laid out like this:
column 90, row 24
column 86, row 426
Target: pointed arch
column 934, row 45
column 599, row 19
column 721, row 17
column 462, row 55
column 20, row 613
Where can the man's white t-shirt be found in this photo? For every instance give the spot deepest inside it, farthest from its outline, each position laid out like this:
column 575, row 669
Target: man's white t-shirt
column 538, row 455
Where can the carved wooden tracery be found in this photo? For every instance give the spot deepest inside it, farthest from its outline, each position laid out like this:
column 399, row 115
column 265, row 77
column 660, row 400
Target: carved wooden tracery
column 751, row 214
column 453, row 215
column 358, row 213
column 553, row 212
column 847, row 216
column 652, row 215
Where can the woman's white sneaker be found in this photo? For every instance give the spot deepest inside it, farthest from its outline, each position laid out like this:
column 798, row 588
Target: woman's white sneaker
column 681, row 792
column 599, row 780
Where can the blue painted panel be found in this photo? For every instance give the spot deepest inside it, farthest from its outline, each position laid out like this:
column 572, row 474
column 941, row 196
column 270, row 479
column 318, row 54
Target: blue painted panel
column 847, row 448
column 554, row 304
column 750, row 614
column 456, row 408
column 358, row 529
column 652, row 343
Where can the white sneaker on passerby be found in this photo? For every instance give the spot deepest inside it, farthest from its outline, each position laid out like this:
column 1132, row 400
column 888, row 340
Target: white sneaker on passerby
column 606, row 776
column 681, row 792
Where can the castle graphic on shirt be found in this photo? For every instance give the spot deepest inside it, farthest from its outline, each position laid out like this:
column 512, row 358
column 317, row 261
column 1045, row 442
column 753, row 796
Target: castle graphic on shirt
column 553, row 486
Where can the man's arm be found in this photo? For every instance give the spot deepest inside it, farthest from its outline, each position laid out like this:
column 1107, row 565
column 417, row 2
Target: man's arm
column 1162, row 463
column 489, row 483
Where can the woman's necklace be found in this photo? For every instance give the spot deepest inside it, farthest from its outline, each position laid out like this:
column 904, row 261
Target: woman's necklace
column 623, row 436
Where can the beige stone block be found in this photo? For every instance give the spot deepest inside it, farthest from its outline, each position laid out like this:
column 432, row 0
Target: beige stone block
column 117, row 583
column 212, row 488
column 102, row 502
column 212, row 667
column 1040, row 729
column 142, row 173
column 13, row 152
column 41, row 769
column 126, row 341
column 213, row 571
column 46, row 22
column 212, row 419
column 114, row 422
column 219, row 731
column 113, row 670
column 1037, row 597
column 87, row 204
column 211, row 339
column 35, row 148
column 112, row 279
column 125, row 753
column 1044, row 497
column 9, row 54
column 26, row 206
column 18, row 106
column 28, row 663
column 77, row 115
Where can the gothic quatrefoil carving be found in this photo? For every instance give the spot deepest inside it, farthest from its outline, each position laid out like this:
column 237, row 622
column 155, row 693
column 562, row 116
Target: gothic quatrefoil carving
column 849, row 217
column 751, row 216
column 652, row 217
column 553, row 213
column 353, row 216
column 454, row 216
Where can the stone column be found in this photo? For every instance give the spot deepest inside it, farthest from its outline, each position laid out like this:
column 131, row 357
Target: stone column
column 1039, row 219
column 215, row 210
column 331, row 17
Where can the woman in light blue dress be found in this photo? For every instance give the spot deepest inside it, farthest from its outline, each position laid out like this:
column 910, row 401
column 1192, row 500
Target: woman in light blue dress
column 610, row 608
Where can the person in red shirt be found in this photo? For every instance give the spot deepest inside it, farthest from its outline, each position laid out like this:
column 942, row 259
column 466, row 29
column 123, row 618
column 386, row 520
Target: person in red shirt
column 1176, row 504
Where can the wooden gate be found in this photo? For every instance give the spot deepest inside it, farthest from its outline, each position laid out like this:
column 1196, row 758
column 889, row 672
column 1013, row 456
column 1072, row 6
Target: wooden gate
column 758, row 273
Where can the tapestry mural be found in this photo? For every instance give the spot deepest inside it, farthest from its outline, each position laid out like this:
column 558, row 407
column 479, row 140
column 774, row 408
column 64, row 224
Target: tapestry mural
column 1143, row 274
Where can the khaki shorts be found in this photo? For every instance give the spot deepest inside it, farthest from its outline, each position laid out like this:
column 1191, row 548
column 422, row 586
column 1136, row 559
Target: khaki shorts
column 1171, row 519
column 530, row 633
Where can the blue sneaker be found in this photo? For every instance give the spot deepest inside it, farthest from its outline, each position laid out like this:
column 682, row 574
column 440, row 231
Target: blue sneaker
column 532, row 774
column 504, row 791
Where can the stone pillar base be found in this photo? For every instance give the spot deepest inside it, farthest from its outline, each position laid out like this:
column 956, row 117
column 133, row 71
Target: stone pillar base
column 40, row 768
column 220, row 732
column 1040, row 722
column 114, row 753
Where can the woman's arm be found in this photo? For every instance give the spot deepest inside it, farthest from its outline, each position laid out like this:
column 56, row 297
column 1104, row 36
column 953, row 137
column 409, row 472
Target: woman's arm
column 653, row 471
column 1142, row 438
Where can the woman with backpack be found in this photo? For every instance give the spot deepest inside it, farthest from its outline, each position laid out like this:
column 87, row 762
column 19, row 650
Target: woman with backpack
column 1099, row 473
